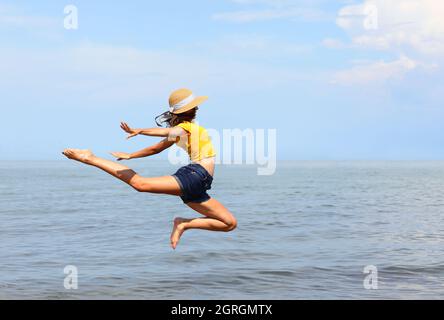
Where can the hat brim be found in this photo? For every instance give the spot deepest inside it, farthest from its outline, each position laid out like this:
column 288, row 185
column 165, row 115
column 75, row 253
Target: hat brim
column 193, row 104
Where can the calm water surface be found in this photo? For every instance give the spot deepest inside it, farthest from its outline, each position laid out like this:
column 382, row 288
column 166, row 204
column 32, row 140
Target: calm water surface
column 306, row 232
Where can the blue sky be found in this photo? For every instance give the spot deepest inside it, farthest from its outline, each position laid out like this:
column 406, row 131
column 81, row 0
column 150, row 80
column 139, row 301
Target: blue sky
column 333, row 86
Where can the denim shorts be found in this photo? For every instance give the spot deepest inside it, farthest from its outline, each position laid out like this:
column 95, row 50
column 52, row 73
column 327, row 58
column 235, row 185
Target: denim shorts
column 194, row 181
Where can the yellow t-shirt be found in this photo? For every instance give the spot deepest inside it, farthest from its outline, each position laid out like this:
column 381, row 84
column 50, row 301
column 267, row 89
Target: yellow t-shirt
column 197, row 144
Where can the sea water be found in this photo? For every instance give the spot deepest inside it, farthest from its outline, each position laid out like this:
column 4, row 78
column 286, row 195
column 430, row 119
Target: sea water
column 306, row 232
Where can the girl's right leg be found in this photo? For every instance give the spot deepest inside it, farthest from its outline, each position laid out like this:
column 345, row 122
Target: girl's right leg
column 218, row 218
column 163, row 185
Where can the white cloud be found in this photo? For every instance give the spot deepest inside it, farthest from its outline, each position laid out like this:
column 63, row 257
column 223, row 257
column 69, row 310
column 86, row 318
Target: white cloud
column 376, row 73
column 111, row 74
column 417, row 25
column 307, row 14
column 287, row 3
column 264, row 10
column 406, row 28
column 108, row 74
column 11, row 16
column 333, row 43
column 269, row 2
column 253, row 46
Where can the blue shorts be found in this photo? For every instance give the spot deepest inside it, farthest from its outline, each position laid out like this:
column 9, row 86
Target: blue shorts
column 194, row 181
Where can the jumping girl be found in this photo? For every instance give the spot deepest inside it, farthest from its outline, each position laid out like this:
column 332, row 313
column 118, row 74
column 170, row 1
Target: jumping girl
column 190, row 182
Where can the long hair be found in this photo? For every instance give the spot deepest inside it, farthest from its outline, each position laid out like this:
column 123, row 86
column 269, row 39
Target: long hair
column 188, row 116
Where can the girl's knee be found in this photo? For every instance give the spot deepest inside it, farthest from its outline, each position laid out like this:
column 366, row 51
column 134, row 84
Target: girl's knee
column 139, row 184
column 231, row 223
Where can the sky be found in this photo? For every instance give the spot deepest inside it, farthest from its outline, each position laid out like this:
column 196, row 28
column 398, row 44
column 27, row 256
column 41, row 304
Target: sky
column 338, row 80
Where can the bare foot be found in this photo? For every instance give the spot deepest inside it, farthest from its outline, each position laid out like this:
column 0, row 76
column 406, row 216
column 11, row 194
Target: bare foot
column 178, row 230
column 84, row 156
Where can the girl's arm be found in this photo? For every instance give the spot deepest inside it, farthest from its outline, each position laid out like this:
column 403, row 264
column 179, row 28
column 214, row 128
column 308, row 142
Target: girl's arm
column 171, row 133
column 154, row 149
column 153, row 132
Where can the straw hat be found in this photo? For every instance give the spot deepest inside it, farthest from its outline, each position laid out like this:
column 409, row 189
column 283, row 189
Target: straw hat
column 183, row 100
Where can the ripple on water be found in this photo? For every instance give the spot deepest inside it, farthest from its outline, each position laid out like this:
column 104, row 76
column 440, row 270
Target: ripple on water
column 306, row 232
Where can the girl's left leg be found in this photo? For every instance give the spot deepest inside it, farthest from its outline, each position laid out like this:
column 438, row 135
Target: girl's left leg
column 164, row 185
column 217, row 218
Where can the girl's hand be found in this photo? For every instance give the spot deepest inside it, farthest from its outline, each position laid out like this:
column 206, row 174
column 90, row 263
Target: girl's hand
column 121, row 155
column 127, row 129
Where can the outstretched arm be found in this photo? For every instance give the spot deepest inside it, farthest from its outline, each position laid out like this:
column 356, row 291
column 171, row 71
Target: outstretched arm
column 154, row 149
column 153, row 132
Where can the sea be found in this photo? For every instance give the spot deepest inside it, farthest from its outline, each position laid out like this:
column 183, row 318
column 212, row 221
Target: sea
column 313, row 230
